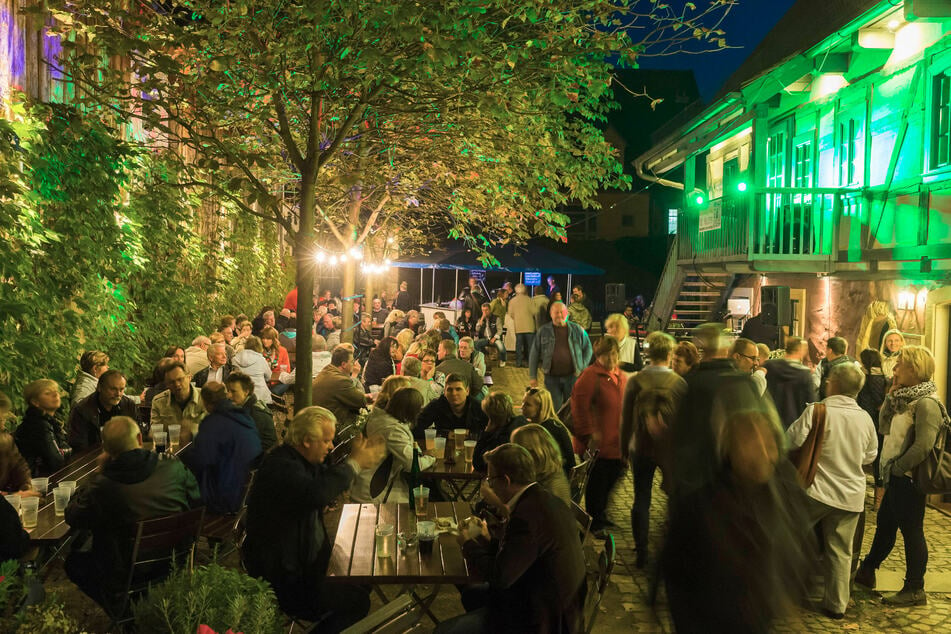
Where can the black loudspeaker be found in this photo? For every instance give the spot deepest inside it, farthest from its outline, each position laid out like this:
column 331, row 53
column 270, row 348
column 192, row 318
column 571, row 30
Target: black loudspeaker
column 614, row 298
column 775, row 306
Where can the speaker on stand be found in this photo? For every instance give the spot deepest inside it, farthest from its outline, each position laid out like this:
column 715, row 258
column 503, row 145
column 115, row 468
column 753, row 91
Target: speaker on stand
column 615, row 297
column 775, row 306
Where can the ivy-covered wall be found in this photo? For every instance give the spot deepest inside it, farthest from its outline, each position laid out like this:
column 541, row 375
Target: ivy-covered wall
column 100, row 250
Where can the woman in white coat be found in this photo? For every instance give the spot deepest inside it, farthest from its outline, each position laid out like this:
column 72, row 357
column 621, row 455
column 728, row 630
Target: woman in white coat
column 251, row 361
column 392, row 423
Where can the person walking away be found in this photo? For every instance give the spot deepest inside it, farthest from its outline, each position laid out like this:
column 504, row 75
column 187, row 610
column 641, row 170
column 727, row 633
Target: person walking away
column 522, row 310
column 837, row 495
column 653, row 392
column 870, row 399
column 789, row 382
column 910, row 419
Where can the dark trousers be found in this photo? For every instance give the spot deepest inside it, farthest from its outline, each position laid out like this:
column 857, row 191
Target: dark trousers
column 523, row 345
column 643, row 468
column 903, row 508
column 335, row 607
column 605, row 472
column 560, row 388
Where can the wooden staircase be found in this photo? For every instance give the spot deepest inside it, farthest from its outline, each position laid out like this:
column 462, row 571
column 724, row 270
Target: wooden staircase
column 701, row 295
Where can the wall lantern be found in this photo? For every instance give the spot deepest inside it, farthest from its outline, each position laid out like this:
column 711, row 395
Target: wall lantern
column 906, row 300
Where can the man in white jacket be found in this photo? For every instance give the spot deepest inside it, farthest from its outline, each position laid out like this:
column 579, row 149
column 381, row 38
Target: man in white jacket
column 837, row 495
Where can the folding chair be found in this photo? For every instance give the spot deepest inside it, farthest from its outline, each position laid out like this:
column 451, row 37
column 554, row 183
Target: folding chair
column 159, row 543
column 605, row 567
column 582, row 518
column 579, row 476
column 219, row 528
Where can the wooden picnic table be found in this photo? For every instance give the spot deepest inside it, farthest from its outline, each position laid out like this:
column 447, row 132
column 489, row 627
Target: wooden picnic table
column 51, row 529
column 458, row 477
column 354, row 560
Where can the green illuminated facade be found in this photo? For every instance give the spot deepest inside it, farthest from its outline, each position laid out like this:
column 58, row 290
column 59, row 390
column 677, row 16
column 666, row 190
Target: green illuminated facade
column 825, row 166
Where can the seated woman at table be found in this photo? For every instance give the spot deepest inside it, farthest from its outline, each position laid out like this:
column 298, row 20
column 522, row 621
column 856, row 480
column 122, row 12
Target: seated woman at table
column 393, row 323
column 277, row 358
column 387, row 390
column 382, row 362
column 40, row 437
column 393, row 423
column 502, row 422
column 538, row 408
column 547, row 458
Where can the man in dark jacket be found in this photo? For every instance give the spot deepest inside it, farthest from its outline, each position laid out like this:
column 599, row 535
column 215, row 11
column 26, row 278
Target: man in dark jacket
column 488, row 332
column 226, row 446
column 134, row 485
column 836, row 349
column 286, row 540
column 91, row 413
column 337, row 388
column 241, row 392
column 789, row 382
column 450, row 363
column 455, row 409
column 535, row 570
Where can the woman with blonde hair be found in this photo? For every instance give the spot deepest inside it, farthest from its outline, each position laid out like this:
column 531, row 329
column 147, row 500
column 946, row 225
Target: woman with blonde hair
column 389, row 387
column 391, row 325
column 892, row 343
column 405, row 338
column 547, row 459
column 538, row 408
column 40, row 436
column 499, row 410
column 910, row 420
column 616, row 326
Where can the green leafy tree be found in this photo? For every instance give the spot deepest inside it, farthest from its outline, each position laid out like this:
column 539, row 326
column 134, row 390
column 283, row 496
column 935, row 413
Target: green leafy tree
column 348, row 122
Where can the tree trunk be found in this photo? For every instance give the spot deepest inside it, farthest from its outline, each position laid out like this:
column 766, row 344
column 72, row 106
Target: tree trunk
column 306, row 270
column 349, row 285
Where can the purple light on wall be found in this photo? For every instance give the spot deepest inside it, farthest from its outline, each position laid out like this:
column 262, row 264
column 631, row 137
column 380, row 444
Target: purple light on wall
column 12, row 49
column 52, row 48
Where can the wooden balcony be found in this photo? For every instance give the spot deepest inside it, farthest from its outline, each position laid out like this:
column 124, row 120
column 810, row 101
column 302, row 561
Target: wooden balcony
column 780, row 228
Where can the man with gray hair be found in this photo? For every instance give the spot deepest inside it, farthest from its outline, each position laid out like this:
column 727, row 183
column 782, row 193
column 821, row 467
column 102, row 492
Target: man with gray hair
column 196, row 355
column 287, row 542
column 837, row 495
column 535, row 572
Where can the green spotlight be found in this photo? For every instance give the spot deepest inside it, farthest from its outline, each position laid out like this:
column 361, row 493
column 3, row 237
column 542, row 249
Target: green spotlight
column 741, row 186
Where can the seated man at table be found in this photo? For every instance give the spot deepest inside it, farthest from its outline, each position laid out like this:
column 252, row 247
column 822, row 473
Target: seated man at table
column 218, row 368
column 535, row 572
column 88, row 417
column 450, row 363
column 336, row 388
column 133, row 485
column 180, row 404
column 223, row 451
column 241, row 392
column 286, row 542
column 455, row 409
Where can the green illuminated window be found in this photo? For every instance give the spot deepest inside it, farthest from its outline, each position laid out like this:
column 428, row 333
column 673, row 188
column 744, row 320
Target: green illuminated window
column 941, row 121
column 671, row 221
column 847, row 152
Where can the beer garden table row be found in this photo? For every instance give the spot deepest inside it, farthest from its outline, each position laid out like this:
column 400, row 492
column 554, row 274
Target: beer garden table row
column 354, row 560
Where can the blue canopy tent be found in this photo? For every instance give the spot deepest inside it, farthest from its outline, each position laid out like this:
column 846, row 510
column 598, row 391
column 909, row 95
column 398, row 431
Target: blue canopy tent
column 530, row 258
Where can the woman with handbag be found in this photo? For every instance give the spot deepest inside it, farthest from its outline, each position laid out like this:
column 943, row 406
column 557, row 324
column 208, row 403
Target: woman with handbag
column 910, row 419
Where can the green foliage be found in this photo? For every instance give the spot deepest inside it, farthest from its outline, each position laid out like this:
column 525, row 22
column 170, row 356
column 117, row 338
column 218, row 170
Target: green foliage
column 102, row 251
column 211, row 595
column 48, row 617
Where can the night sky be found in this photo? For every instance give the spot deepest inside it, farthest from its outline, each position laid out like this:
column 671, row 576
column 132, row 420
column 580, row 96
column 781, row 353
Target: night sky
column 746, row 25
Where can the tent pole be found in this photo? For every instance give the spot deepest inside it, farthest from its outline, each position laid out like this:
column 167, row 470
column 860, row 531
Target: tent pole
column 421, row 287
column 567, row 293
column 455, row 285
column 432, row 291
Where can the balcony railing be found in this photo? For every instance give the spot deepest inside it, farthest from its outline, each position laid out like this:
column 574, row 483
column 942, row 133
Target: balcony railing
column 769, row 224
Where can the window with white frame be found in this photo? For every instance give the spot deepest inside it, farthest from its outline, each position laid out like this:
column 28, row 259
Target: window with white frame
column 940, row 151
column 672, row 221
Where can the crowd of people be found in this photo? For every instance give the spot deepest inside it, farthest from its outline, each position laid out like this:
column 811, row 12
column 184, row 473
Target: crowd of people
column 715, row 417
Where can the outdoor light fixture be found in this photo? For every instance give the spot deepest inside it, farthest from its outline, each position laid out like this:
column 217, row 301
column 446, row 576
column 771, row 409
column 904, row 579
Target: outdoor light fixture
column 741, row 186
column 828, row 84
column 356, row 253
column 321, row 257
column 333, row 260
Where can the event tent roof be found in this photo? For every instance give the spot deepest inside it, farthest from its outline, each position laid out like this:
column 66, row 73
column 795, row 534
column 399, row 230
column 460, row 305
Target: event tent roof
column 513, row 260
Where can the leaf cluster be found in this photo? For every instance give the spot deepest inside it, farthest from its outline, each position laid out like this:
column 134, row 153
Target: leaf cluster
column 101, row 254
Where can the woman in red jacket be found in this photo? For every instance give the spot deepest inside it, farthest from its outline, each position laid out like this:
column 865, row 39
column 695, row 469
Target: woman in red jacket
column 277, row 358
column 596, row 412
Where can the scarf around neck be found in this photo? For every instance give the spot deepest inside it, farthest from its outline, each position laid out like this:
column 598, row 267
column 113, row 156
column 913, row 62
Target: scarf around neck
column 905, row 396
